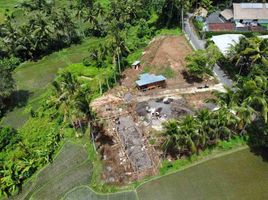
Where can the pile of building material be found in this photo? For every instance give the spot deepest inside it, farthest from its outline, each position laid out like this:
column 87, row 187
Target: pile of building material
column 157, row 111
column 133, row 143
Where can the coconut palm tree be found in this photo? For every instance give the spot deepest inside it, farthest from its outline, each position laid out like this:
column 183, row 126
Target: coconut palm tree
column 248, row 52
column 70, row 98
column 171, row 131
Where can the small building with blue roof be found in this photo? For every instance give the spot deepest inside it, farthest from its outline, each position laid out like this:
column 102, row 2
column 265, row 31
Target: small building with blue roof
column 150, row 81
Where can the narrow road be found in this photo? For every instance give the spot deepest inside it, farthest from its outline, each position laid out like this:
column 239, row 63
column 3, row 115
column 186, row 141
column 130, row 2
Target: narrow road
column 178, row 92
column 200, row 44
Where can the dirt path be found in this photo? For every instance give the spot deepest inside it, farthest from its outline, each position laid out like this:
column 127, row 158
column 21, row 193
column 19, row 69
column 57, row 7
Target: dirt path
column 179, row 92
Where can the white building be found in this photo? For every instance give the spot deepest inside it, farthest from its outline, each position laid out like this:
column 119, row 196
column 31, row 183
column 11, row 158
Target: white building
column 225, row 41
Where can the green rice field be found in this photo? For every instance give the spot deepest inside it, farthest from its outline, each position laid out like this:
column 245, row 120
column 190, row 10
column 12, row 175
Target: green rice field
column 85, row 193
column 40, row 74
column 240, row 175
column 70, row 168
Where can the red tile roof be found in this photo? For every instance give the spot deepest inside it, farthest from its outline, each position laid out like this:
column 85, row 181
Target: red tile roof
column 221, row 27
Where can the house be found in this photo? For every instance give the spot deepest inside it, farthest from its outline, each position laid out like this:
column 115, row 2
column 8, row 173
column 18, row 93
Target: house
column 251, row 13
column 243, row 17
column 227, row 14
column 225, row 41
column 201, row 14
column 215, row 27
column 216, row 21
column 136, row 65
column 150, row 81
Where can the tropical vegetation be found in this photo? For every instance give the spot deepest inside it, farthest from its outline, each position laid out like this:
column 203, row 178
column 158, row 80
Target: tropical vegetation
column 122, row 28
column 202, row 62
column 241, row 110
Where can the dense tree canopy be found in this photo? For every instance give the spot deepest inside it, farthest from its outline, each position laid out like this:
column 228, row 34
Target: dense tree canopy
column 202, row 62
column 7, row 84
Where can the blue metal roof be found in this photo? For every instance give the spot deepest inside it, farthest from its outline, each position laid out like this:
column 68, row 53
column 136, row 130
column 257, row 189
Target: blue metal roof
column 146, row 79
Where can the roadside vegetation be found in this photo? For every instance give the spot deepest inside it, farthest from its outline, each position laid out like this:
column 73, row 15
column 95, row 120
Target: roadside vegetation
column 240, row 111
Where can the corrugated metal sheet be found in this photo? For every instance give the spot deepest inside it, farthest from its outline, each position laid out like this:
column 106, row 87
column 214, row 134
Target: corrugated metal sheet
column 250, row 11
column 146, row 79
column 137, row 62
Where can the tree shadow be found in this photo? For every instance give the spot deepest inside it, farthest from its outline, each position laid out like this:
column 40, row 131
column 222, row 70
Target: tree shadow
column 18, row 99
column 260, row 151
column 191, row 79
column 258, row 140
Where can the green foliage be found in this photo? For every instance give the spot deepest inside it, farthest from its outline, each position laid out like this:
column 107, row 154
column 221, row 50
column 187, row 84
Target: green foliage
column 9, row 63
column 171, row 166
column 39, row 139
column 143, row 29
column 45, row 30
column 247, row 53
column 198, row 25
column 8, row 137
column 170, row 15
column 207, row 4
column 191, row 134
column 201, row 62
column 165, row 31
column 7, row 84
column 71, row 100
column 209, row 34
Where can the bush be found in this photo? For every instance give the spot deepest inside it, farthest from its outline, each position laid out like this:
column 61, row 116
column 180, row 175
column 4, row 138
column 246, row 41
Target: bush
column 10, row 63
column 87, row 61
column 8, row 136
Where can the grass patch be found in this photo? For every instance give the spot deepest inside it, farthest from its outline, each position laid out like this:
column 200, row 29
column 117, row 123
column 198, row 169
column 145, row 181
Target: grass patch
column 175, row 31
column 136, row 55
column 165, row 71
column 168, row 72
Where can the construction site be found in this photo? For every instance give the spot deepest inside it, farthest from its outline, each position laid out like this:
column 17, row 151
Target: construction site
column 131, row 115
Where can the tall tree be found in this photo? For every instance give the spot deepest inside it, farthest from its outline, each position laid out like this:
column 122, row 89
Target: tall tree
column 7, row 85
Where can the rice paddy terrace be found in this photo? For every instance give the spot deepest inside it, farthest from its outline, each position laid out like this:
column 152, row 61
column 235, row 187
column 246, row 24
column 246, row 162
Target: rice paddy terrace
column 239, row 175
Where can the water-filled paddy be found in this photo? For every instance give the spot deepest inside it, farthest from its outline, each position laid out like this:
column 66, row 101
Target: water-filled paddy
column 240, row 175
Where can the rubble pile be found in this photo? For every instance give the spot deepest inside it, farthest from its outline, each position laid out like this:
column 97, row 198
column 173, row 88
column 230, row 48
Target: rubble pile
column 156, row 111
column 133, row 143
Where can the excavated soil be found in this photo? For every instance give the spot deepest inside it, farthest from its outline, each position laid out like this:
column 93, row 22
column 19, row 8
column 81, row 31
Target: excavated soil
column 167, row 51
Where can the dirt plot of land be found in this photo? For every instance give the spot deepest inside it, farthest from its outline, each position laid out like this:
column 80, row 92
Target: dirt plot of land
column 165, row 55
column 167, row 51
column 128, row 116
